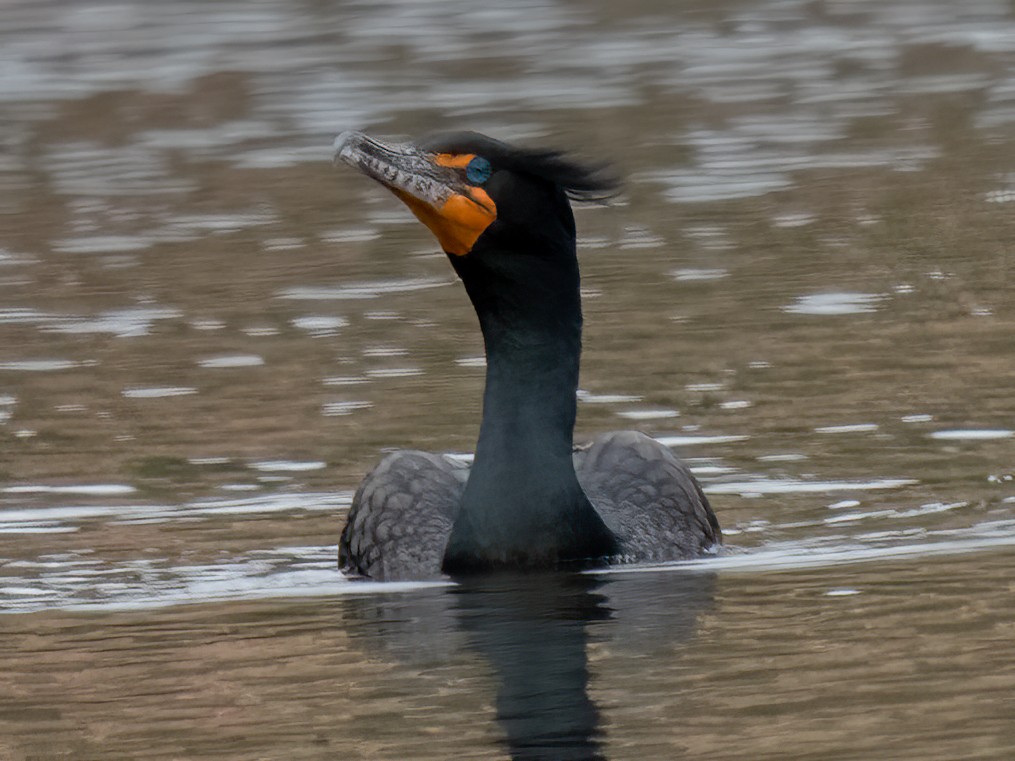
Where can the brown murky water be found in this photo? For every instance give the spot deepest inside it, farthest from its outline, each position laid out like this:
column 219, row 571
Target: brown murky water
column 208, row 334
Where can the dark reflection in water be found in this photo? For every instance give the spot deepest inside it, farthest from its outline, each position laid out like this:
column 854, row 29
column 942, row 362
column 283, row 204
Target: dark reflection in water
column 534, row 630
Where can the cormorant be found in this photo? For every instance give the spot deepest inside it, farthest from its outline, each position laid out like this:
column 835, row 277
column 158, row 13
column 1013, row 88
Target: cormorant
column 529, row 500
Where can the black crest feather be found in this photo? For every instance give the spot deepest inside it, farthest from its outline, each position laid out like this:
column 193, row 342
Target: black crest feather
column 588, row 183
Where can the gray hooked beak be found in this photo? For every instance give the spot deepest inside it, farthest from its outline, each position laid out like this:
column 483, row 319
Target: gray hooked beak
column 432, row 185
column 398, row 166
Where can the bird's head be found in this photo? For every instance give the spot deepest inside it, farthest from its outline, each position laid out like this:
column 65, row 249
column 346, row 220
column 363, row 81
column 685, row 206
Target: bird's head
column 475, row 193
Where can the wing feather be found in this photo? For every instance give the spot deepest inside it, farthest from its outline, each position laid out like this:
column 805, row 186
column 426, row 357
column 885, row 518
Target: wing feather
column 647, row 497
column 401, row 516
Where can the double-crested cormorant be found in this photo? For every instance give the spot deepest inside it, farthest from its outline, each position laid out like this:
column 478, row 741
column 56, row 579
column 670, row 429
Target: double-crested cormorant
column 530, row 499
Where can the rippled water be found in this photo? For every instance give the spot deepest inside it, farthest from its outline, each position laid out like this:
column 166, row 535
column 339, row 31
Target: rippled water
column 208, row 334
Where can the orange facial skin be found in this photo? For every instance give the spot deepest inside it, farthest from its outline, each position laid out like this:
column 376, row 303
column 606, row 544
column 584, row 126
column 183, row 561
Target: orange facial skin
column 454, row 160
column 463, row 217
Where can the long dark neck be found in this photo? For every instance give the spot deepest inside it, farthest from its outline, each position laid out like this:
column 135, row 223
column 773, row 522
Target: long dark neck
column 523, row 504
column 529, row 404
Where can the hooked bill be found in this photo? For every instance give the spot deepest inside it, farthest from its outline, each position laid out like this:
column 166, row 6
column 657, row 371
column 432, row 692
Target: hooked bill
column 399, row 166
column 433, row 185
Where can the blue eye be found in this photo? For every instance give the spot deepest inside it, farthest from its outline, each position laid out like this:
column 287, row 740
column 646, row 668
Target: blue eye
column 478, row 171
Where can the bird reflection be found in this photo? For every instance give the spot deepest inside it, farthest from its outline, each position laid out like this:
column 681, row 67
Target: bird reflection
column 534, row 631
